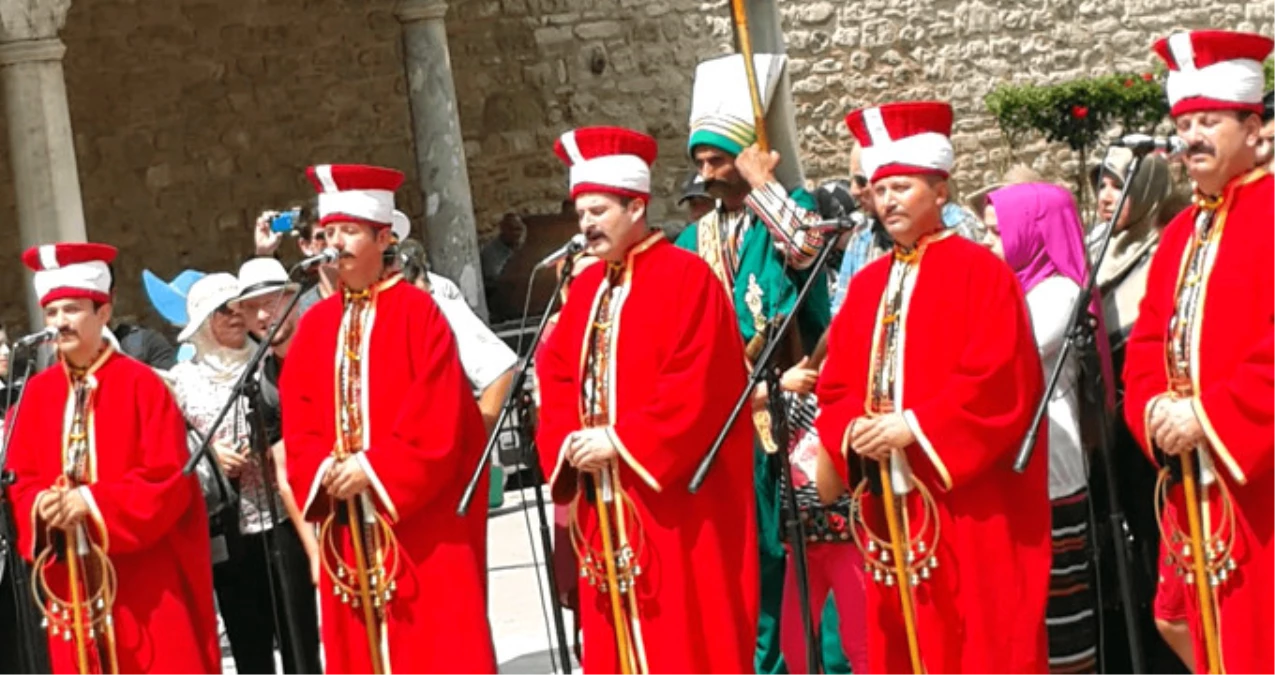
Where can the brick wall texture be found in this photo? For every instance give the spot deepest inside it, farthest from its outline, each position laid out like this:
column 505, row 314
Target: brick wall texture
column 190, row 116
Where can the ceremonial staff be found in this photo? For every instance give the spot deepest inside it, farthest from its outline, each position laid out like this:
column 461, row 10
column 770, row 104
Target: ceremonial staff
column 739, row 16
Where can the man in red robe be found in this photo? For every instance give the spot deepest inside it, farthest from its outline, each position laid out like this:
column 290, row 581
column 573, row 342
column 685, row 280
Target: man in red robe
column 932, row 370
column 636, row 382
column 1199, row 368
column 98, row 454
column 379, row 421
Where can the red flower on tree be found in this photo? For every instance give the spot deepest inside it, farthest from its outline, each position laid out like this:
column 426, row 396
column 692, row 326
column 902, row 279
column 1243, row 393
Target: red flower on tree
column 1128, row 83
column 1079, row 112
column 1147, row 77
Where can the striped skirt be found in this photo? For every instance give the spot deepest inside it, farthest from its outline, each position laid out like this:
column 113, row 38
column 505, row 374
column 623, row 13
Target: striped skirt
column 1070, row 614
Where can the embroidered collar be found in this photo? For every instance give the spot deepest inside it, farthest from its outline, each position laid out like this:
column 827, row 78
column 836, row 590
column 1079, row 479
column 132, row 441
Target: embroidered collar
column 908, row 255
column 74, row 373
column 1213, row 202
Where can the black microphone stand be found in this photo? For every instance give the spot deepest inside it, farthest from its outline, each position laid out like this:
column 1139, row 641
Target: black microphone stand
column 762, row 370
column 520, row 378
column 34, row 656
column 270, row 539
column 1081, row 331
column 792, row 524
column 527, row 440
column 762, row 364
column 515, row 402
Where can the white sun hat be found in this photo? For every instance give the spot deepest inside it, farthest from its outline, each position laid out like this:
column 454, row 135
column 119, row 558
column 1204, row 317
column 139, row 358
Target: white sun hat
column 262, row 276
column 205, row 297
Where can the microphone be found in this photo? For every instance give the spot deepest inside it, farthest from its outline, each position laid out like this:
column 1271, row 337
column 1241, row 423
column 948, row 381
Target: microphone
column 33, row 339
column 328, row 255
column 572, row 247
column 843, row 224
column 1142, row 144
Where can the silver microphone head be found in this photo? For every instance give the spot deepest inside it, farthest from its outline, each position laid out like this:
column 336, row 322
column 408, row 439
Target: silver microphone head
column 1177, row 146
column 330, row 254
column 49, row 333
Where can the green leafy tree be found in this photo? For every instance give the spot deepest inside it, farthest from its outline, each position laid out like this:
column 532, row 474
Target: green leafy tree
column 1079, row 112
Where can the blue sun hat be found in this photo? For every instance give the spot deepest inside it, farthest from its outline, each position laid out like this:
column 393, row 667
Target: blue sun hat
column 169, row 297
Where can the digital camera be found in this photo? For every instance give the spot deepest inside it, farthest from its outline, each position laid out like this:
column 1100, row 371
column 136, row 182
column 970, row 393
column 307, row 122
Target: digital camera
column 286, row 221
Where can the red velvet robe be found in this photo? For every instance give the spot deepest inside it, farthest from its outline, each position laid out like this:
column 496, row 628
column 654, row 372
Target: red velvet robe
column 678, row 365
column 144, row 513
column 1233, row 372
column 971, row 378
column 425, row 435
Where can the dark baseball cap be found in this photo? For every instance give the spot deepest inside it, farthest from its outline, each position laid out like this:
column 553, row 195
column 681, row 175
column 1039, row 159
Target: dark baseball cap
column 693, row 188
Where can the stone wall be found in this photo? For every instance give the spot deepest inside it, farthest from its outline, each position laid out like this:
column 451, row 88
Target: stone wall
column 190, row 116
column 528, row 70
column 849, row 54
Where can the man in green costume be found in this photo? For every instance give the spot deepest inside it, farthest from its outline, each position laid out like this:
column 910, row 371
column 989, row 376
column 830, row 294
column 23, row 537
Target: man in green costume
column 754, row 243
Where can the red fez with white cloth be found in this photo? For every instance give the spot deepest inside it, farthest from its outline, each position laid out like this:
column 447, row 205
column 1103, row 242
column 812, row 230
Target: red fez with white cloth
column 72, row 270
column 355, row 192
column 900, row 139
column 613, row 160
column 1214, row 70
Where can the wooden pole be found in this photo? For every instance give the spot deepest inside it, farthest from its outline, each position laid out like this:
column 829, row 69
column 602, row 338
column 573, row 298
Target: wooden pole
column 898, row 543
column 1198, row 562
column 370, row 620
column 613, row 587
column 740, row 16
column 77, row 609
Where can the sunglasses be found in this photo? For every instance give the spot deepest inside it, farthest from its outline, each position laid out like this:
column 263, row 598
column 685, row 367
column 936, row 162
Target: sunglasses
column 860, row 180
column 225, row 310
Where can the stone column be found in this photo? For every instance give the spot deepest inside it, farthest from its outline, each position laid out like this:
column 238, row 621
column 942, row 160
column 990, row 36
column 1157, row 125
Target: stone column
column 41, row 146
column 440, row 153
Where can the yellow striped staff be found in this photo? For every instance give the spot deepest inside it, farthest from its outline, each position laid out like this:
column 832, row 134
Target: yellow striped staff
column 367, row 582
column 86, row 616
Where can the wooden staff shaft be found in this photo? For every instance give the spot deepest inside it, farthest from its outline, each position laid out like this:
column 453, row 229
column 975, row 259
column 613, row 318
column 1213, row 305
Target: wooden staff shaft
column 370, row 621
column 77, row 609
column 898, row 542
column 613, row 587
column 1199, row 563
column 740, row 15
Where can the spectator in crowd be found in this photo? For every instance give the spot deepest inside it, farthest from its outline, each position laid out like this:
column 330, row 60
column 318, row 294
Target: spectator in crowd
column 264, row 293
column 959, row 218
column 512, row 235
column 1122, row 273
column 695, row 199
column 1266, row 149
column 202, row 386
column 1016, row 174
column 1036, row 229
column 311, row 241
column 488, row 362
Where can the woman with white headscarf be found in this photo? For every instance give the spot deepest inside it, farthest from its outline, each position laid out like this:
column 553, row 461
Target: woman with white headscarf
column 202, row 386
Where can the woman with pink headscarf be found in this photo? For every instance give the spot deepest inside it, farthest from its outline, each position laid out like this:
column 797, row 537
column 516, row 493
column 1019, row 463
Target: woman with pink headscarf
column 1036, row 229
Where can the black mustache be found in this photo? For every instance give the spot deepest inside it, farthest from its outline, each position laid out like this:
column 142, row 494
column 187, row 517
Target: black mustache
column 714, row 184
column 1200, row 147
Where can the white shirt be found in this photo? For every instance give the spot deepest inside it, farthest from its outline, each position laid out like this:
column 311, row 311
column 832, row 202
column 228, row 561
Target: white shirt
column 1049, row 303
column 483, row 356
